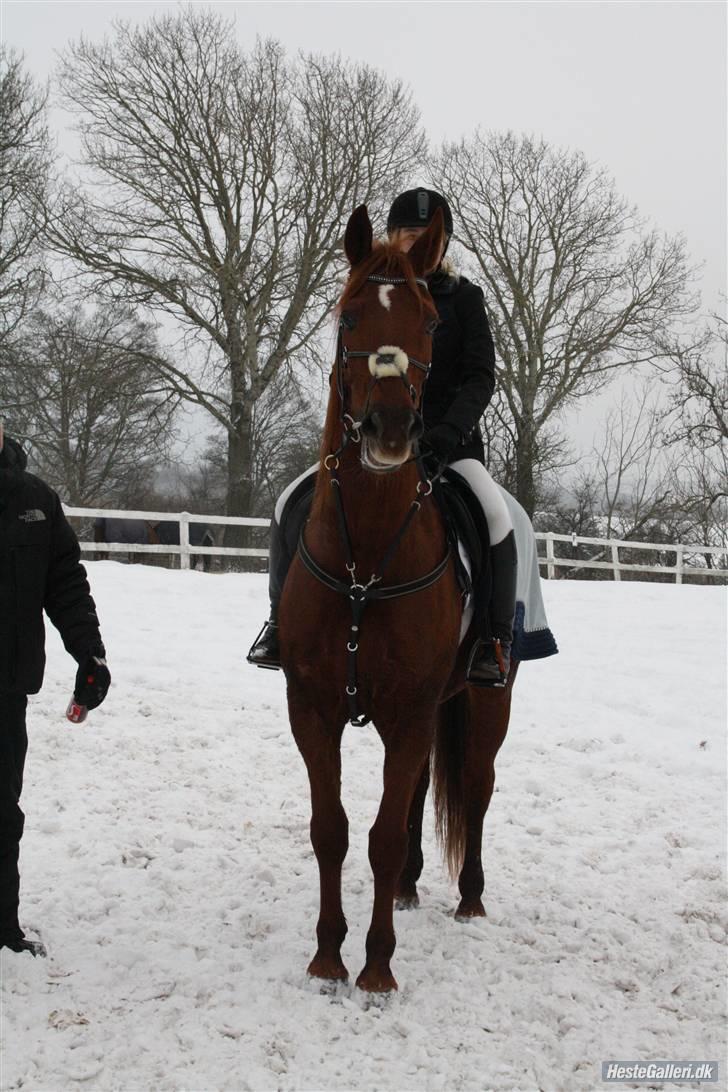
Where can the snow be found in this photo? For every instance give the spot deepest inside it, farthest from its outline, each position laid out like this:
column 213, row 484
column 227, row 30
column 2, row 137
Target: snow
column 167, row 864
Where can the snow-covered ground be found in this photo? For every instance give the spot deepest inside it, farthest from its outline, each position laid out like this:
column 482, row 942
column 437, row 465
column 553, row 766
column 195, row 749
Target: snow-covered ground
column 167, row 865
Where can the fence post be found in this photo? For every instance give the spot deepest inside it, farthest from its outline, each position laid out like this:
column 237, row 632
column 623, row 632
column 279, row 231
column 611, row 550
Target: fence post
column 550, row 568
column 184, row 540
column 615, row 561
column 678, row 565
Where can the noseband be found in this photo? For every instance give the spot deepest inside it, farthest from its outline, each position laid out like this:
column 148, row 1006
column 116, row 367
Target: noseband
column 358, row 593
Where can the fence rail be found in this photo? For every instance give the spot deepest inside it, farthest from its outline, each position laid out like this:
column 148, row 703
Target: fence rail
column 185, row 551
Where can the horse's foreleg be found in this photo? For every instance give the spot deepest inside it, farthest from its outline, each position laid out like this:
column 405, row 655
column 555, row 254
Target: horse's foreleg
column 406, row 891
column 320, row 746
column 388, row 839
column 489, row 714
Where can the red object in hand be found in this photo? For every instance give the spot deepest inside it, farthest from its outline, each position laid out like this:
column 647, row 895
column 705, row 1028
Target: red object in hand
column 76, row 713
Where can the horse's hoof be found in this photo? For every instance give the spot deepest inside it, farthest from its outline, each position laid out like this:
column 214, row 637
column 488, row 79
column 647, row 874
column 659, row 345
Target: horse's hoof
column 372, row 981
column 467, row 910
column 408, row 901
column 329, row 968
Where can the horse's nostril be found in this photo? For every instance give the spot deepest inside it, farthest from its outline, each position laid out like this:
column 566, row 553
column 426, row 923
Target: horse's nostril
column 373, row 425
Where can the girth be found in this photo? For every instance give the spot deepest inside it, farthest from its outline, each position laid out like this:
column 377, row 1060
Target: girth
column 374, row 591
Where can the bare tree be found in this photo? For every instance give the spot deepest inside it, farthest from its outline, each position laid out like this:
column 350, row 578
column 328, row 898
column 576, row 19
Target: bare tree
column 634, row 472
column 287, row 432
column 576, row 512
column 702, row 511
column 223, row 181
column 25, row 165
column 575, row 285
column 552, row 453
column 81, row 392
column 698, row 373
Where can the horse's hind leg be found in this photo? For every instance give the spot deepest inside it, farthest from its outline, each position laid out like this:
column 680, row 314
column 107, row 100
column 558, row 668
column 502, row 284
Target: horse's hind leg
column 489, row 713
column 406, row 897
column 320, row 746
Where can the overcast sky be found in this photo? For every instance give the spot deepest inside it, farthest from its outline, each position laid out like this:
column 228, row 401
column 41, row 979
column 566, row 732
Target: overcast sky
column 638, row 87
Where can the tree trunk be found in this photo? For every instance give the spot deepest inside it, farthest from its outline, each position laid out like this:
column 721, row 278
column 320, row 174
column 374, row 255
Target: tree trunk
column 525, row 462
column 240, row 480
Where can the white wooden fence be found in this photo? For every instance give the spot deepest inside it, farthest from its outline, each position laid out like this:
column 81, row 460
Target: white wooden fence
column 551, row 562
column 613, row 546
column 185, row 550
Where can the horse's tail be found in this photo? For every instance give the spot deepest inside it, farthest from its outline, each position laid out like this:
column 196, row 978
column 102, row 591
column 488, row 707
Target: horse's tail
column 448, row 761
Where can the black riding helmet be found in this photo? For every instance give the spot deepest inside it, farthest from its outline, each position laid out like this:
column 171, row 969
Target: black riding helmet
column 415, row 208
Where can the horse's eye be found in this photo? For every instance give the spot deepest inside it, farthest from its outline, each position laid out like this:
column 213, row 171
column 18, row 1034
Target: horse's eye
column 431, row 325
column 348, row 319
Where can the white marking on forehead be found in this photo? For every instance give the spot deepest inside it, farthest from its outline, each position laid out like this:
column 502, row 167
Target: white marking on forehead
column 384, row 291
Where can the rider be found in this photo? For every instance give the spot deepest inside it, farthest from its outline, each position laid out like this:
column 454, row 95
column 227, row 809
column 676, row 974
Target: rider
column 459, row 387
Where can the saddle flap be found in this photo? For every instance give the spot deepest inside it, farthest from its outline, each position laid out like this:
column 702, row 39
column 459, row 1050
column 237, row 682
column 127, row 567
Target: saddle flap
column 466, row 525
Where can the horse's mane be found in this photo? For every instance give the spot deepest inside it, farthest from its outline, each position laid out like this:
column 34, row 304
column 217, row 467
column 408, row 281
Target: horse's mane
column 387, row 261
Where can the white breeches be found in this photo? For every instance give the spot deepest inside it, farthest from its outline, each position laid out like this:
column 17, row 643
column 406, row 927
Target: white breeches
column 282, row 500
column 490, row 497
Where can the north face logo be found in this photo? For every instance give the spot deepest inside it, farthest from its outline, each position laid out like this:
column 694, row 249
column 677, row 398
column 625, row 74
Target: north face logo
column 33, row 515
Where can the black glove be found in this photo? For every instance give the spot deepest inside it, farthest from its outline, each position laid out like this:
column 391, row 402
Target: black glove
column 438, row 446
column 92, row 681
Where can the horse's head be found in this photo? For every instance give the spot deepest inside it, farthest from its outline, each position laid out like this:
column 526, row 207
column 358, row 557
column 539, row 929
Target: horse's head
column 386, row 322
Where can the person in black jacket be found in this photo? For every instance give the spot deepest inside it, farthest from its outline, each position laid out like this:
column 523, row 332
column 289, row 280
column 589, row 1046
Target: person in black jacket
column 40, row 570
column 459, row 387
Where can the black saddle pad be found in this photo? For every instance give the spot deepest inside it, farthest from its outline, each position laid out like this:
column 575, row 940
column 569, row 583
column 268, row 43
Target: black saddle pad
column 466, row 523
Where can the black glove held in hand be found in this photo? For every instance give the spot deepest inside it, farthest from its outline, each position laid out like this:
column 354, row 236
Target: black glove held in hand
column 92, row 682
column 439, row 443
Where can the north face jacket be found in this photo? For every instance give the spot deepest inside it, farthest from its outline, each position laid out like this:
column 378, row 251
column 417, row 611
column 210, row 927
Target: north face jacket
column 40, row 569
column 462, row 379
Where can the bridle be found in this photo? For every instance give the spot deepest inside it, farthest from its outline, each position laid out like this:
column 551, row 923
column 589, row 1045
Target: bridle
column 382, row 365
column 358, row 593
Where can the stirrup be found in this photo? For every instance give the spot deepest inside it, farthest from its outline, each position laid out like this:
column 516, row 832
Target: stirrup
column 264, row 653
column 489, row 667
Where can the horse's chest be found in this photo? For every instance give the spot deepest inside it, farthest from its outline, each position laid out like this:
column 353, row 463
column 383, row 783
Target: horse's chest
column 396, row 668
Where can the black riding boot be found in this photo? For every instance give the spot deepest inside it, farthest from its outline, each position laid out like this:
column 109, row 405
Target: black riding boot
column 490, row 659
column 266, row 651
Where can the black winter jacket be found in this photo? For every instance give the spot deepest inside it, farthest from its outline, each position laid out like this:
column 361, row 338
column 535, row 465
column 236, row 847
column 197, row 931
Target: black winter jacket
column 40, row 569
column 462, row 379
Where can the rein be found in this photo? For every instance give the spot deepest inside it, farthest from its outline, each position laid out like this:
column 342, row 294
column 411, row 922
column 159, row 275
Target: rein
column 360, row 594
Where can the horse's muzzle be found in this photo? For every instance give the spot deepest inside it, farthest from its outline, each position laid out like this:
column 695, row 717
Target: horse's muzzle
column 389, row 433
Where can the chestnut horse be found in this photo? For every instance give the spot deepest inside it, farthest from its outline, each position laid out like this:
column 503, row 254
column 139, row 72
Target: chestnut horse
column 371, row 612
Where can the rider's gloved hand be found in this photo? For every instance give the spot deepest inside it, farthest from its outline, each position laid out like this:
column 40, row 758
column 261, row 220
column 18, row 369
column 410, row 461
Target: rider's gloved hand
column 92, row 680
column 438, row 445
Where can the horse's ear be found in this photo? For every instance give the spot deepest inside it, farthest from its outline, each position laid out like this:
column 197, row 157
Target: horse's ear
column 358, row 237
column 425, row 253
